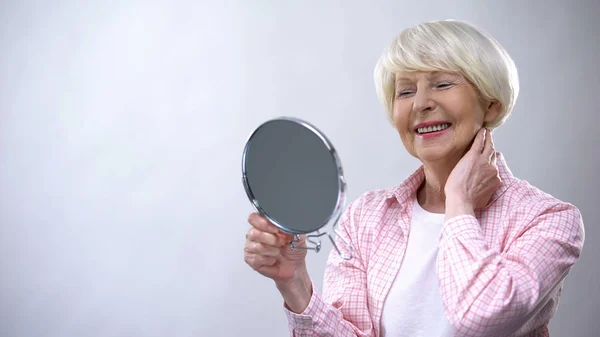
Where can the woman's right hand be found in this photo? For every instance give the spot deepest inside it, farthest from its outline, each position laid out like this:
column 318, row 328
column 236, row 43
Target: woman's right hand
column 267, row 250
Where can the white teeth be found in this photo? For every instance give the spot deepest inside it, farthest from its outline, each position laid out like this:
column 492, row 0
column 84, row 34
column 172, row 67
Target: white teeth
column 433, row 128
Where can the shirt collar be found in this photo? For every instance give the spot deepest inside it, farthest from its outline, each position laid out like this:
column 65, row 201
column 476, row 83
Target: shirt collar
column 408, row 188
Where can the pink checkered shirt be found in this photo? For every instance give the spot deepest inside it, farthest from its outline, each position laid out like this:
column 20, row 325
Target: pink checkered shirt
column 500, row 272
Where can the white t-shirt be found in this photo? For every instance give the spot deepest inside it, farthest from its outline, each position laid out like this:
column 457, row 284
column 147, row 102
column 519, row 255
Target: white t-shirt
column 413, row 307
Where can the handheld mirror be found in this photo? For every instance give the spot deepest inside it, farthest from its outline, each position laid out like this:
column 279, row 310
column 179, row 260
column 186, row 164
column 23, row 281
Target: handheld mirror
column 293, row 177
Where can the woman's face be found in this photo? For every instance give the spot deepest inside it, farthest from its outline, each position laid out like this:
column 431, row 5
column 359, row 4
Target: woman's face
column 437, row 114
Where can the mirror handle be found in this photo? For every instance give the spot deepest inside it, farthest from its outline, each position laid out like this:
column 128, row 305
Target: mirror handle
column 315, row 239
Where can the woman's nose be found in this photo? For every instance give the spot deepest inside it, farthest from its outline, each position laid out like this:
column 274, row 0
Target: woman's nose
column 422, row 101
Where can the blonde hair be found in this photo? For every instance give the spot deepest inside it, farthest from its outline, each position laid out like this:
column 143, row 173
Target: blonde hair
column 451, row 46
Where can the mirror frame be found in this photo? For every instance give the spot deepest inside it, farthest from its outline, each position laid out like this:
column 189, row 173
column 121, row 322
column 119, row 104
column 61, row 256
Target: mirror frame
column 341, row 200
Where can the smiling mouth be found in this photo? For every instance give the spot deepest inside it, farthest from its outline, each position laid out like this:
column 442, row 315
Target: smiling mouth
column 433, row 128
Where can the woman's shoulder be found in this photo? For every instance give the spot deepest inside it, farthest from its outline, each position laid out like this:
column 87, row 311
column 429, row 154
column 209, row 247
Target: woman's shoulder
column 522, row 194
column 375, row 200
column 375, row 195
column 397, row 196
column 517, row 195
column 531, row 204
column 373, row 208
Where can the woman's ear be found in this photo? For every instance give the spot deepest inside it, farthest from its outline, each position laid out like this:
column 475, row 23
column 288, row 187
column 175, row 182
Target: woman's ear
column 493, row 109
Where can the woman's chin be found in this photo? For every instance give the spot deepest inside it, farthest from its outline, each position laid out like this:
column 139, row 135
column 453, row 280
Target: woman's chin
column 444, row 158
column 432, row 154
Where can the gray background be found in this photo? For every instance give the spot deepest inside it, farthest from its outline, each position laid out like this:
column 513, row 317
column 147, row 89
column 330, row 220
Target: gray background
column 122, row 124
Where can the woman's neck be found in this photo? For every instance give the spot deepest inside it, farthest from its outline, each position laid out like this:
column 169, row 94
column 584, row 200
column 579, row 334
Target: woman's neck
column 431, row 194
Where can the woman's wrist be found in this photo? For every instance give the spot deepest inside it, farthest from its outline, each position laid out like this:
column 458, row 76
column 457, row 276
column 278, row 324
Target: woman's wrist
column 456, row 206
column 296, row 292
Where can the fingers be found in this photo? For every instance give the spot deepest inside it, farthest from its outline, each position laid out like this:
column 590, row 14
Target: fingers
column 287, row 238
column 258, row 248
column 270, row 239
column 262, row 224
column 259, row 261
column 489, row 152
column 478, row 142
column 263, row 238
column 263, row 243
column 484, row 145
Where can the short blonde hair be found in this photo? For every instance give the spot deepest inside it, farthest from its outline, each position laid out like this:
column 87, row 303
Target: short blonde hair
column 452, row 46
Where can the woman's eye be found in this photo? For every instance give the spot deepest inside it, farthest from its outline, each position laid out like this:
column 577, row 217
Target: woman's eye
column 444, row 85
column 404, row 93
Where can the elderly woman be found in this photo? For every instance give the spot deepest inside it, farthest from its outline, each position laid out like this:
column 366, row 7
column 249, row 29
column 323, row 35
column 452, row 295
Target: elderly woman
column 461, row 247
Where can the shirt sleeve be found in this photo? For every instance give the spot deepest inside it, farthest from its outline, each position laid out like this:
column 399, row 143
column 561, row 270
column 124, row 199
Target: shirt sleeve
column 487, row 292
column 342, row 309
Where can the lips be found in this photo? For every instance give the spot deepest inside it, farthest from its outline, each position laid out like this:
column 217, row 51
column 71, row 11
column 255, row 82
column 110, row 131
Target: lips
column 429, row 127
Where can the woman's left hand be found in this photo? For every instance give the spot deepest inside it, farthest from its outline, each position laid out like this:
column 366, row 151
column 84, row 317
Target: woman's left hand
column 474, row 179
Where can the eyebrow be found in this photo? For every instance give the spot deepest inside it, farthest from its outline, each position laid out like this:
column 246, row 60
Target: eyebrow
column 403, row 79
column 433, row 74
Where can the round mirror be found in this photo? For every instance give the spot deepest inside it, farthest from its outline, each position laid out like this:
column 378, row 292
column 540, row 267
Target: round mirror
column 293, row 177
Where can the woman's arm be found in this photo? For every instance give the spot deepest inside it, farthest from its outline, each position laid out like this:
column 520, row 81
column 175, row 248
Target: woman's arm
column 487, row 292
column 342, row 309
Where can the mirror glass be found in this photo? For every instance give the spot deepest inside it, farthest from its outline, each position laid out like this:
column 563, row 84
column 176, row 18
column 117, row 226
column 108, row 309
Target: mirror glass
column 293, row 176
